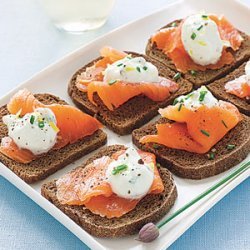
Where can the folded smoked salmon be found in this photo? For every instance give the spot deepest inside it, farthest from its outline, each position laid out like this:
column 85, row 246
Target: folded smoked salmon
column 199, row 122
column 117, row 77
column 40, row 127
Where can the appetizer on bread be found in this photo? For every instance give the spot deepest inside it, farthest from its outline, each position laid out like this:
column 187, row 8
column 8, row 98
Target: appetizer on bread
column 115, row 192
column 235, row 87
column 196, row 126
column 35, row 128
column 203, row 47
column 117, row 84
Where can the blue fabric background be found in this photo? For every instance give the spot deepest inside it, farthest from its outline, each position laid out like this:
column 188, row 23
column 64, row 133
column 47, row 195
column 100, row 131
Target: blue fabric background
column 24, row 225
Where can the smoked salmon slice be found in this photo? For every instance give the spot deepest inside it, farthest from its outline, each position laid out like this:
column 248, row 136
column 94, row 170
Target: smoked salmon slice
column 72, row 123
column 88, row 186
column 115, row 94
column 239, row 87
column 195, row 130
column 169, row 41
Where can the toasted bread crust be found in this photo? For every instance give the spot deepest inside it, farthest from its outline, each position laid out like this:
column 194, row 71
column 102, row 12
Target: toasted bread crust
column 132, row 114
column 198, row 166
column 208, row 76
column 218, row 90
column 54, row 160
column 150, row 209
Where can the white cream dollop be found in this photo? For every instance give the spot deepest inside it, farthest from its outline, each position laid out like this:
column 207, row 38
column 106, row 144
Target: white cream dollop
column 133, row 70
column 27, row 134
column 197, row 98
column 133, row 182
column 201, row 39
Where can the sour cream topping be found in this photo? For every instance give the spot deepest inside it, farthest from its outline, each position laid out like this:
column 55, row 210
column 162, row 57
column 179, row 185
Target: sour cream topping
column 132, row 70
column 197, row 98
column 201, row 39
column 134, row 179
column 35, row 131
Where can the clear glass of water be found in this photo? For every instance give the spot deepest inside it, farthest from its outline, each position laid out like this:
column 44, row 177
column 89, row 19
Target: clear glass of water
column 77, row 16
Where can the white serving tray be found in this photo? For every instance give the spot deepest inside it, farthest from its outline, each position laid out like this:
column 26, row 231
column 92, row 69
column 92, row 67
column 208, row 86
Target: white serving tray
column 132, row 37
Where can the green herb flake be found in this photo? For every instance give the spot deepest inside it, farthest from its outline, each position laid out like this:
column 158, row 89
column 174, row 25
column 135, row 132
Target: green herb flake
column 224, row 124
column 177, row 76
column 41, row 124
column 193, row 36
column 119, row 169
column 199, row 28
column 204, row 132
column 175, row 101
column 180, row 106
column 204, row 17
column 112, row 82
column 32, row 119
column 174, row 24
column 138, row 69
column 155, row 146
column 119, row 65
column 230, row 146
column 202, row 95
column 211, row 156
column 158, row 165
column 193, row 72
column 145, row 68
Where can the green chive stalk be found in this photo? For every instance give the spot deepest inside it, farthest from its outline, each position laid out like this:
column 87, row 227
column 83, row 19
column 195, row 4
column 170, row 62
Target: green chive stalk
column 231, row 176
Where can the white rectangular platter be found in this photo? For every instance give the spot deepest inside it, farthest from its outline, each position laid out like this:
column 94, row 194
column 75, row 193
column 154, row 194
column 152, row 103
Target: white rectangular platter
column 132, row 37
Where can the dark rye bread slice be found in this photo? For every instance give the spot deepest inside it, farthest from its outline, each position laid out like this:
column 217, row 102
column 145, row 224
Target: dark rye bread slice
column 198, row 166
column 150, row 209
column 54, row 160
column 132, row 114
column 218, row 89
column 208, row 76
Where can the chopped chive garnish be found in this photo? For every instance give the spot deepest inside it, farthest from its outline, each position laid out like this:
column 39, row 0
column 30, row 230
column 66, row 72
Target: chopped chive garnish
column 193, row 36
column 40, row 124
column 138, row 69
column 120, row 64
column 224, row 123
column 200, row 27
column 145, row 67
column 175, row 101
column 230, row 146
column 112, row 82
column 32, row 119
column 177, row 76
column 119, row 169
column 174, row 24
column 202, row 95
column 129, row 57
column 189, row 95
column 180, row 106
column 155, row 146
column 204, row 16
column 204, row 132
column 193, row 72
column 158, row 165
column 211, row 156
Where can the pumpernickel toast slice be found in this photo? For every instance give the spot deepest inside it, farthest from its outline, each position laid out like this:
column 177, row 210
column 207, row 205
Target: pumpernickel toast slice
column 202, row 77
column 218, row 90
column 150, row 209
column 54, row 160
column 132, row 114
column 198, row 166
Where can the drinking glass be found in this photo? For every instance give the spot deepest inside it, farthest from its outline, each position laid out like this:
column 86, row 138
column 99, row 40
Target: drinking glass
column 77, row 16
